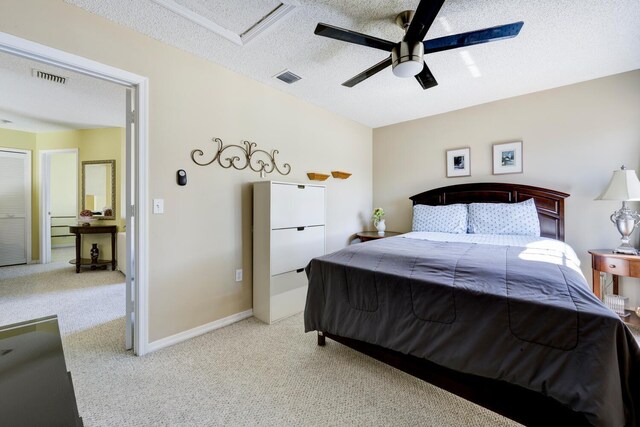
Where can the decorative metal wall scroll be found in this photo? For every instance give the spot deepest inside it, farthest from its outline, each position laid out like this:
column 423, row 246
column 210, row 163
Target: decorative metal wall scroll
column 246, row 158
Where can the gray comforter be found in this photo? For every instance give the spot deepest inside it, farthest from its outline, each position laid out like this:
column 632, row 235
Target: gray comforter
column 484, row 310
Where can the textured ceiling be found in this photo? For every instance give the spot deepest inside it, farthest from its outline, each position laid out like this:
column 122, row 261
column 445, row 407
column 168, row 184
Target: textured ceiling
column 562, row 42
column 35, row 105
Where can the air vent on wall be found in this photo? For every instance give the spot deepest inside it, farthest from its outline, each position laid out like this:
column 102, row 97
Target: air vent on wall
column 39, row 74
column 287, row 77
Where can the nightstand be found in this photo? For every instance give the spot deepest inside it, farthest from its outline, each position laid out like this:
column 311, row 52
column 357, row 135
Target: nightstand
column 605, row 261
column 365, row 236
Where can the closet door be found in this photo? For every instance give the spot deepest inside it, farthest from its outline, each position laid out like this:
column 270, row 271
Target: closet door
column 14, row 205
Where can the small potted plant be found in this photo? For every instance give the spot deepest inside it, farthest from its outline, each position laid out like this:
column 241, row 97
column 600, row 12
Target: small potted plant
column 378, row 220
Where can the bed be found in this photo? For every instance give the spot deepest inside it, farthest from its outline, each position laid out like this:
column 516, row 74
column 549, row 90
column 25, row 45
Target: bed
column 509, row 324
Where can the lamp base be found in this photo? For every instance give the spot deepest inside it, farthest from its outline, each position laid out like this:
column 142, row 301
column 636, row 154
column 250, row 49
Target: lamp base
column 625, row 249
column 626, row 221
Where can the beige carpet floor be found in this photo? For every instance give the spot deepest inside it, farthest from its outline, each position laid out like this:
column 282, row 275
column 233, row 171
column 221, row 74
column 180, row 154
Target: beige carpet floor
column 248, row 373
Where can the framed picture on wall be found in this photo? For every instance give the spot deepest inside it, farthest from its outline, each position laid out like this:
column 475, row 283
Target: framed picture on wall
column 507, row 158
column 459, row 162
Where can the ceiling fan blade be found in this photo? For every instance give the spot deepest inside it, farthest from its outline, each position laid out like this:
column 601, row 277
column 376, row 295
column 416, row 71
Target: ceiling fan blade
column 353, row 37
column 368, row 73
column 492, row 34
column 425, row 78
column 423, row 18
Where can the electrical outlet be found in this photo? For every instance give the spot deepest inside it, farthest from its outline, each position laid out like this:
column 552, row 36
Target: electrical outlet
column 239, row 275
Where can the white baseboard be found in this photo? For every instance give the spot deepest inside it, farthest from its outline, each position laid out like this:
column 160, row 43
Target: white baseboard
column 199, row 330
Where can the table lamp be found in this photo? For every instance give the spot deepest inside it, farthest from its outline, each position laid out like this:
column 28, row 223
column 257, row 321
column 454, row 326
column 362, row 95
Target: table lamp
column 624, row 186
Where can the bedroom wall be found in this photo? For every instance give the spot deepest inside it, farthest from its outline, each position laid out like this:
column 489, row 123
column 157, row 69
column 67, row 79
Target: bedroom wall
column 205, row 233
column 573, row 138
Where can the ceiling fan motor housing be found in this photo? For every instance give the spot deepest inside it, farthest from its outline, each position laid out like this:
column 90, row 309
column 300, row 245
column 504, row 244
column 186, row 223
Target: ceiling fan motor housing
column 407, row 58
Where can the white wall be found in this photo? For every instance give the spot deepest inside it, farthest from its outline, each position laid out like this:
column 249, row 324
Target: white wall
column 573, row 138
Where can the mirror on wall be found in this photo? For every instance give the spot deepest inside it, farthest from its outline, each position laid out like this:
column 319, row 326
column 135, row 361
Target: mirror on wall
column 99, row 188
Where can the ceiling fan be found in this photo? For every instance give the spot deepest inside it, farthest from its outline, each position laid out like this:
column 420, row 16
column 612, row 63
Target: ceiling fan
column 406, row 56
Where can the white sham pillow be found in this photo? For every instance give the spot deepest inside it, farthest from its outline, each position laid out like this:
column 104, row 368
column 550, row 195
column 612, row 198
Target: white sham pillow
column 504, row 218
column 445, row 218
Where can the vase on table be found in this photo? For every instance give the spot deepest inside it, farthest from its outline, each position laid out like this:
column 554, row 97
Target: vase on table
column 380, row 226
column 95, row 253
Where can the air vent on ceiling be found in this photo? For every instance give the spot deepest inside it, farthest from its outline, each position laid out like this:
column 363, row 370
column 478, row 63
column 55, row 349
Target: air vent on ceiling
column 39, row 74
column 287, row 77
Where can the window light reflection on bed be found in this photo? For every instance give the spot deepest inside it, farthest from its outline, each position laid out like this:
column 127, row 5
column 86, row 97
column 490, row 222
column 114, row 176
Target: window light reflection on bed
column 551, row 251
column 533, row 248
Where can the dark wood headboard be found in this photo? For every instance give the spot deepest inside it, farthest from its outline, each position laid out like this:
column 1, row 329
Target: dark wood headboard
column 550, row 203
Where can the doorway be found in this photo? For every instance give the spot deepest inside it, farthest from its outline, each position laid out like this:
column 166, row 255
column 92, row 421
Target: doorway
column 58, row 199
column 136, row 169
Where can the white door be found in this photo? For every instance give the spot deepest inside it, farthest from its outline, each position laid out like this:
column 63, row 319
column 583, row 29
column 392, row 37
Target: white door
column 15, row 206
column 130, row 156
column 45, row 208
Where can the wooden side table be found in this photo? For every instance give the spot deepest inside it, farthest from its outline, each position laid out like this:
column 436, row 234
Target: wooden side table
column 365, row 236
column 605, row 261
column 79, row 230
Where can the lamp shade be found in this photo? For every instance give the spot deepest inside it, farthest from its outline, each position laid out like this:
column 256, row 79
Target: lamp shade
column 624, row 186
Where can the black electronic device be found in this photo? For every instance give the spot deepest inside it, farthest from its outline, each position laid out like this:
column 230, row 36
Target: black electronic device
column 182, row 177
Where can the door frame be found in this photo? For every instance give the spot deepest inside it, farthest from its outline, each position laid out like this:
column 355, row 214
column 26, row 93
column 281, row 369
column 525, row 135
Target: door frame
column 45, row 198
column 28, row 216
column 41, row 53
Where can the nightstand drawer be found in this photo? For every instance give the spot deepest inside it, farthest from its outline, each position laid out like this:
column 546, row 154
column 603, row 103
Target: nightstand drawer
column 634, row 268
column 613, row 265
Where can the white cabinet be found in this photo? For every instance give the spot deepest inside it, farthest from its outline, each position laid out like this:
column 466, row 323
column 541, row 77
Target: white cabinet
column 288, row 231
column 297, row 205
column 293, row 248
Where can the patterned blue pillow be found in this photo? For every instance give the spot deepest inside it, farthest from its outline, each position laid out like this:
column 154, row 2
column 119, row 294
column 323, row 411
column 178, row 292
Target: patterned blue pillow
column 445, row 219
column 504, row 218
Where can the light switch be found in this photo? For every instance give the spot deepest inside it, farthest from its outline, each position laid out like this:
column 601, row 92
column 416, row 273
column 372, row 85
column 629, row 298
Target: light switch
column 158, row 206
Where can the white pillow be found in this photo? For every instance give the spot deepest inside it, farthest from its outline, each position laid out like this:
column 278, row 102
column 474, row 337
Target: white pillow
column 445, row 219
column 504, row 218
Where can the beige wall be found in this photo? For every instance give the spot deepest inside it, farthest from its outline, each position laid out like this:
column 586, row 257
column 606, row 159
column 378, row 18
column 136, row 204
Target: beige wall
column 205, row 233
column 573, row 138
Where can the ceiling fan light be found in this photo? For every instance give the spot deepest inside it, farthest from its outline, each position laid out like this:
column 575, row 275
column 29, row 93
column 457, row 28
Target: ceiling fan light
column 407, row 69
column 407, row 59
